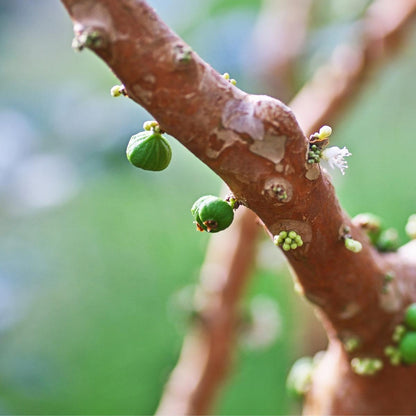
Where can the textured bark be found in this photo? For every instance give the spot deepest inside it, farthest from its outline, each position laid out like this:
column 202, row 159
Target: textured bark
column 230, row 253
column 255, row 143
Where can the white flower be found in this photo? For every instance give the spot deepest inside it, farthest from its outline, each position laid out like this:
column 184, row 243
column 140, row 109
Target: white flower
column 335, row 157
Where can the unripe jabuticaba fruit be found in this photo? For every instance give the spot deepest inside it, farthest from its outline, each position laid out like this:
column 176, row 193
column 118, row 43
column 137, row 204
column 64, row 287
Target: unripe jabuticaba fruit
column 410, row 316
column 407, row 348
column 215, row 214
column 149, row 151
column 195, row 210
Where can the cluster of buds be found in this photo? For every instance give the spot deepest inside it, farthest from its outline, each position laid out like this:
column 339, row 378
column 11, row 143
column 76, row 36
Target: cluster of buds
column 280, row 192
column 333, row 155
column 366, row 366
column 314, row 153
column 152, row 125
column 288, row 240
column 317, row 143
column 226, row 76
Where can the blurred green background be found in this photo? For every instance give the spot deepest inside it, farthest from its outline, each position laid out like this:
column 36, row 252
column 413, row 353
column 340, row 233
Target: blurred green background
column 93, row 252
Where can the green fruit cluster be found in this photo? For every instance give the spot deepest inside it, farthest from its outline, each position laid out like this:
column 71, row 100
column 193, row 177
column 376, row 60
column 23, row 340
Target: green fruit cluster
column 366, row 366
column 212, row 214
column 288, row 240
column 149, row 150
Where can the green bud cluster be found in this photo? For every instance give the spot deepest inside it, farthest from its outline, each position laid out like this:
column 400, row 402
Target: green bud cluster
column 288, row 240
column 226, row 76
column 394, row 355
column 314, row 153
column 351, row 344
column 388, row 278
column 280, row 192
column 151, row 125
column 366, row 366
column 398, row 333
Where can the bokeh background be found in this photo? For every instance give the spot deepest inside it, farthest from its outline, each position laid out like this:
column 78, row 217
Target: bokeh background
column 97, row 259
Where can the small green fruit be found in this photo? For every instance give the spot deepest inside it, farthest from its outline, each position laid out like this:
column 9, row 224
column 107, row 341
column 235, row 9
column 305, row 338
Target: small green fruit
column 149, row 151
column 410, row 316
column 195, row 210
column 407, row 348
column 213, row 214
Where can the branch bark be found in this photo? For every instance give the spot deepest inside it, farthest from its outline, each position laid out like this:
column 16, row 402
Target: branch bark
column 255, row 143
column 230, row 253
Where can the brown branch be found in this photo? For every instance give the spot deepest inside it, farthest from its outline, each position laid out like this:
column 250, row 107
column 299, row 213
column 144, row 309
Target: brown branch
column 200, row 372
column 255, row 143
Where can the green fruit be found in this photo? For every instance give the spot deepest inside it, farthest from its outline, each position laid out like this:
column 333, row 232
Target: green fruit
column 410, row 316
column 195, row 210
column 407, row 348
column 215, row 214
column 149, row 151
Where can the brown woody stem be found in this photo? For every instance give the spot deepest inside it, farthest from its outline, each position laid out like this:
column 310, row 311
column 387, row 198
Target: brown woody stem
column 255, row 143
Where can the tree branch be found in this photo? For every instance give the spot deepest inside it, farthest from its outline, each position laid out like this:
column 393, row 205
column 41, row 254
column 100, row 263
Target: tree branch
column 278, row 21
column 255, row 143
